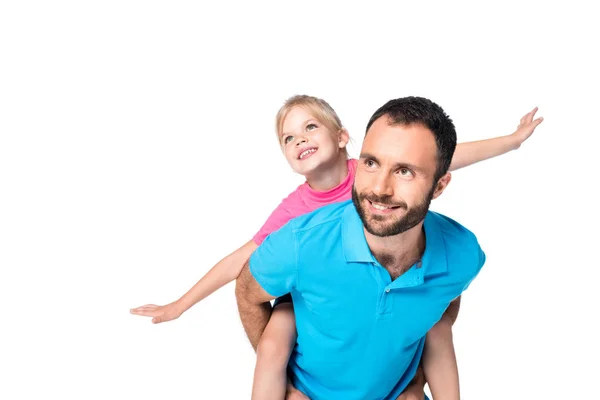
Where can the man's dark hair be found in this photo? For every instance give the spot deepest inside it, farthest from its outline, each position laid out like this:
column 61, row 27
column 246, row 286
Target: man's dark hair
column 418, row 110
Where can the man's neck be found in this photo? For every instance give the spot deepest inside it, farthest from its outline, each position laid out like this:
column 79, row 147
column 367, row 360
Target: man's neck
column 399, row 252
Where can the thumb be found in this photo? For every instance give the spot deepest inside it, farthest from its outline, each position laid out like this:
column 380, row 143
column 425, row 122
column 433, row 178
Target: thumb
column 156, row 320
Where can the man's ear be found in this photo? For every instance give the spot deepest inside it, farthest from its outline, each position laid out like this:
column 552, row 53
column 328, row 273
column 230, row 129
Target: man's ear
column 441, row 184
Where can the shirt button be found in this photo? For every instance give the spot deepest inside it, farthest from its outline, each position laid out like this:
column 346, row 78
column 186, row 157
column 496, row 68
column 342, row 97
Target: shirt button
column 387, row 290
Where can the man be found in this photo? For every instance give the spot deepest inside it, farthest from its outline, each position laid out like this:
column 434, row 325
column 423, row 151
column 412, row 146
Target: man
column 369, row 278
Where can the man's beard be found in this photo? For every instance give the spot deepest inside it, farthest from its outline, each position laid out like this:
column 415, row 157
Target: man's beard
column 390, row 225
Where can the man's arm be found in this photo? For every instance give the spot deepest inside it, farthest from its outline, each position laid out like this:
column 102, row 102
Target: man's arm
column 451, row 312
column 253, row 305
column 439, row 358
column 415, row 389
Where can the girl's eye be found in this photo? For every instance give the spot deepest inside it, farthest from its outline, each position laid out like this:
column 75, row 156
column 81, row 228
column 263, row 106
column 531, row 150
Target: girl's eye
column 287, row 139
column 310, row 127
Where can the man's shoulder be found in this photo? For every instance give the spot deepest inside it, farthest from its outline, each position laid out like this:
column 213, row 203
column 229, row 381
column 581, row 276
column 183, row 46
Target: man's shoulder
column 452, row 230
column 463, row 251
column 321, row 218
column 313, row 233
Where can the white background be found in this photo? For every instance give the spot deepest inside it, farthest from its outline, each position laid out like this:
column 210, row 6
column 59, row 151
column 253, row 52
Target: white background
column 137, row 149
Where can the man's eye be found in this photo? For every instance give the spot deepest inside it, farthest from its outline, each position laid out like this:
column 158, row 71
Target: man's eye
column 405, row 172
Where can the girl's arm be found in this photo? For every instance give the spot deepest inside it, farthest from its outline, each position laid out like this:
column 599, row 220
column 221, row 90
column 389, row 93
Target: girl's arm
column 225, row 271
column 473, row 152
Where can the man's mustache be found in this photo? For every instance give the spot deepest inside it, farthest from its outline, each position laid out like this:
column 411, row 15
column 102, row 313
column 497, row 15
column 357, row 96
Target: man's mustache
column 387, row 200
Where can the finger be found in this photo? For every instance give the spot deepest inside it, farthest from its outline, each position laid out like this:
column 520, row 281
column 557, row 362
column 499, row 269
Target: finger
column 524, row 118
column 147, row 307
column 157, row 320
column 145, row 313
column 537, row 121
column 531, row 114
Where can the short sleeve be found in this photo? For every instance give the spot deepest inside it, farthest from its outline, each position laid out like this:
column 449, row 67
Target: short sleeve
column 274, row 263
column 477, row 268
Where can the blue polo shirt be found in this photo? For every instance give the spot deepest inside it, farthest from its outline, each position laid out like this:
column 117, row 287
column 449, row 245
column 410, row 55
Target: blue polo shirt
column 360, row 334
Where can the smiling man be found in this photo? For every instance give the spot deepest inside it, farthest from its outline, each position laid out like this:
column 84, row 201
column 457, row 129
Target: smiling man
column 371, row 276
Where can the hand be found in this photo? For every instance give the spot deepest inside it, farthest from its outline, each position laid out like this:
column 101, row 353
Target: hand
column 160, row 314
column 294, row 394
column 526, row 127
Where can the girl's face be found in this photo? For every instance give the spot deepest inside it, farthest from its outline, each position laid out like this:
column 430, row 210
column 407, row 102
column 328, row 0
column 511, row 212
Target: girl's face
column 308, row 145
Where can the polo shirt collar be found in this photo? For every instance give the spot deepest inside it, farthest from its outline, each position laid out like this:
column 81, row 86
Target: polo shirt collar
column 356, row 249
column 354, row 243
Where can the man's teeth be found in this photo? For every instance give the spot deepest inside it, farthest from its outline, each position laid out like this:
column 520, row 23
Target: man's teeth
column 307, row 152
column 379, row 207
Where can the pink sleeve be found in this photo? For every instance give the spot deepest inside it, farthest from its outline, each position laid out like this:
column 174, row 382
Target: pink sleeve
column 278, row 218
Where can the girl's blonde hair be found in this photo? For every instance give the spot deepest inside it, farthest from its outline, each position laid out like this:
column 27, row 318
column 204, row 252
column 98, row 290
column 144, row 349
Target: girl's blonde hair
column 316, row 107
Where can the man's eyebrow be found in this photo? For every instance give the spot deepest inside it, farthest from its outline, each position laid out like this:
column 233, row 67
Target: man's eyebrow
column 396, row 165
column 369, row 156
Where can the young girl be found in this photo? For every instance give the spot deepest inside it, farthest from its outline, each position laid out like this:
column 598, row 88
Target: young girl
column 314, row 141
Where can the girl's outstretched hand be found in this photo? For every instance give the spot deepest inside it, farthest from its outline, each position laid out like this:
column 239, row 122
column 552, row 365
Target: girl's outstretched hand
column 159, row 314
column 526, row 127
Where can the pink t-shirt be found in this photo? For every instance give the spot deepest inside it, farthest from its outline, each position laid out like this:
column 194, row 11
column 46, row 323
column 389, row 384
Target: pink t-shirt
column 304, row 200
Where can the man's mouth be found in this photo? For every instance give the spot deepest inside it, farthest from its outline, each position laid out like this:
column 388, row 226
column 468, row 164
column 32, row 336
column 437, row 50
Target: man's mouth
column 382, row 208
column 307, row 153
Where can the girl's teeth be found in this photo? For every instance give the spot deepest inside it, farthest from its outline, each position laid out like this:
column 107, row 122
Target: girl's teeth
column 307, row 152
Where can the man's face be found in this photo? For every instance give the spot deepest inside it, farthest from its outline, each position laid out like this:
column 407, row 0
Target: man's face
column 394, row 181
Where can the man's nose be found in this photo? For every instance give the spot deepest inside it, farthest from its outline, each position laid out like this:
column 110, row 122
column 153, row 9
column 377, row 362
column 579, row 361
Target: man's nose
column 382, row 186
